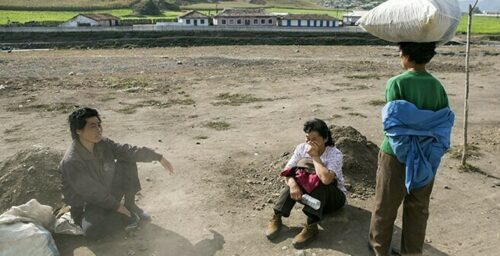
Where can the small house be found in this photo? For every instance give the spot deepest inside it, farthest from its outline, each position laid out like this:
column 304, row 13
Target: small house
column 194, row 18
column 92, row 20
column 350, row 19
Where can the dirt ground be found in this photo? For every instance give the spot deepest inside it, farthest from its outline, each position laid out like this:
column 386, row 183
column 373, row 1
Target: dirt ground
column 227, row 117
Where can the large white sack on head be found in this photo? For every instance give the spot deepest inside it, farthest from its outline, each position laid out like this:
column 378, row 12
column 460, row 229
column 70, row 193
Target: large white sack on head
column 413, row 20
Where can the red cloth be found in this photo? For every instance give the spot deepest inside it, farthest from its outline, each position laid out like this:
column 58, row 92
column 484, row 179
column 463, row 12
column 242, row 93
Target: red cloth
column 307, row 180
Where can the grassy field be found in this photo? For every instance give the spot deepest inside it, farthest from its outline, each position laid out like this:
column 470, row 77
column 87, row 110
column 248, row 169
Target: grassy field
column 25, row 16
column 481, row 25
column 67, row 4
column 120, row 4
column 54, row 4
column 303, row 4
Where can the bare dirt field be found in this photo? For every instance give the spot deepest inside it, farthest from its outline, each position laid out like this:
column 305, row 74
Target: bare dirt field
column 227, row 117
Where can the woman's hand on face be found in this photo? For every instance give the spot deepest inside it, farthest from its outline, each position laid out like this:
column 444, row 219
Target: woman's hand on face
column 313, row 149
column 167, row 165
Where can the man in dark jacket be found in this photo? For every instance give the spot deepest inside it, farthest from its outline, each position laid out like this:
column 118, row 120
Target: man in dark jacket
column 97, row 173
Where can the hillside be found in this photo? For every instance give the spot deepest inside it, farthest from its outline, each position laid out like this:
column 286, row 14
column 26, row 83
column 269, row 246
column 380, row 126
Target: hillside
column 122, row 4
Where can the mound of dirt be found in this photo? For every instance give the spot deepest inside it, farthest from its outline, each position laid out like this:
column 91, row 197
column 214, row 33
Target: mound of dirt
column 31, row 173
column 360, row 159
column 259, row 181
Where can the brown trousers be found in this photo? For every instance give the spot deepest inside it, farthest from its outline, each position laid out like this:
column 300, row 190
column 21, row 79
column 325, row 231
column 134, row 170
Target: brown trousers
column 390, row 191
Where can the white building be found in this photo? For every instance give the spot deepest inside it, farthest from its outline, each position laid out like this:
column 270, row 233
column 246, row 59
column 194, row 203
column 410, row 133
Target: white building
column 193, row 18
column 309, row 20
column 350, row 19
column 91, row 20
column 245, row 17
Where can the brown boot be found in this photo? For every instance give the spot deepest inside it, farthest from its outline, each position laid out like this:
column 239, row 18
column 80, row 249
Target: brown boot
column 307, row 234
column 274, row 227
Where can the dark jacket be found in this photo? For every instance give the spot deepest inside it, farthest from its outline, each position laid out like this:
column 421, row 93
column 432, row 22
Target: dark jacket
column 87, row 177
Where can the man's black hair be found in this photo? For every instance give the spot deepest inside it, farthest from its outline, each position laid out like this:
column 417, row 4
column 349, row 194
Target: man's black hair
column 419, row 53
column 78, row 119
column 319, row 126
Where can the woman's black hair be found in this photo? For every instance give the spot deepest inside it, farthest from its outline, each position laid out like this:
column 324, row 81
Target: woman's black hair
column 78, row 119
column 420, row 53
column 319, row 126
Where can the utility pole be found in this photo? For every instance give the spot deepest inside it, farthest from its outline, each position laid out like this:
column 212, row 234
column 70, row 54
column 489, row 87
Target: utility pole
column 466, row 102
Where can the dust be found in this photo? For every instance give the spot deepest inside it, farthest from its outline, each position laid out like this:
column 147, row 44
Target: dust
column 30, row 173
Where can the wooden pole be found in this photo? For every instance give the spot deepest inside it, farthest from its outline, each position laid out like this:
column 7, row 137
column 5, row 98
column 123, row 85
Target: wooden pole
column 466, row 102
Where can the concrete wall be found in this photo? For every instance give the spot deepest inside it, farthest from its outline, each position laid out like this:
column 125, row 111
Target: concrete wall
column 175, row 27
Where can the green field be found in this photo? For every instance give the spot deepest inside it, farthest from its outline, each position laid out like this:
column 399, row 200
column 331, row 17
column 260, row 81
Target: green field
column 60, row 4
column 26, row 16
column 481, row 25
column 302, row 4
column 121, row 4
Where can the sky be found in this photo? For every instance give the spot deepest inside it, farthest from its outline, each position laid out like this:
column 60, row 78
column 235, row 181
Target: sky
column 484, row 5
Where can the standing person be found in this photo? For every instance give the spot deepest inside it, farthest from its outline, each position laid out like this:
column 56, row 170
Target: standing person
column 315, row 168
column 98, row 172
column 417, row 123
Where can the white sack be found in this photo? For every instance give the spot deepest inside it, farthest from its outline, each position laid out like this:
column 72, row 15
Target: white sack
column 23, row 230
column 32, row 211
column 413, row 20
column 27, row 239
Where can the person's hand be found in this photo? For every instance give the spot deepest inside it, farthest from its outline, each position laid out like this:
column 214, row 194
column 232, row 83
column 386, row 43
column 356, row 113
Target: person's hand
column 123, row 210
column 167, row 165
column 313, row 149
column 295, row 192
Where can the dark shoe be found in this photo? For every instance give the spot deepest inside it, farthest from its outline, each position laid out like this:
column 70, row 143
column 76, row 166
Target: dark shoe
column 308, row 233
column 144, row 216
column 395, row 252
column 274, row 227
column 133, row 222
column 140, row 212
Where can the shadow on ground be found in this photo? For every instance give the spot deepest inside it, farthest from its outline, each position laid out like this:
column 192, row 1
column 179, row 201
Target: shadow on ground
column 150, row 240
column 347, row 231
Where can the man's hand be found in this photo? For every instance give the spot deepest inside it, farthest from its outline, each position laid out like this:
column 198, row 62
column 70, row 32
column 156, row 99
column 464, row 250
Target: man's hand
column 167, row 165
column 123, row 210
column 295, row 192
column 313, row 149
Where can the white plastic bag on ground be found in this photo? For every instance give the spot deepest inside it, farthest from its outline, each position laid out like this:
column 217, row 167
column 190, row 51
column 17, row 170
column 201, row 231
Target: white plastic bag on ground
column 413, row 20
column 26, row 239
column 32, row 211
column 24, row 230
column 66, row 225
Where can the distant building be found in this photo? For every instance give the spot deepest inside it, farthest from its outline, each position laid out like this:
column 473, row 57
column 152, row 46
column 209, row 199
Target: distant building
column 194, row 18
column 350, row 19
column 245, row 17
column 92, row 20
column 309, row 20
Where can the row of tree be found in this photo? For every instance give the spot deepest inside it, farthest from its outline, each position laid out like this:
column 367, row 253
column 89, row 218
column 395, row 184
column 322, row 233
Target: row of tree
column 154, row 7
